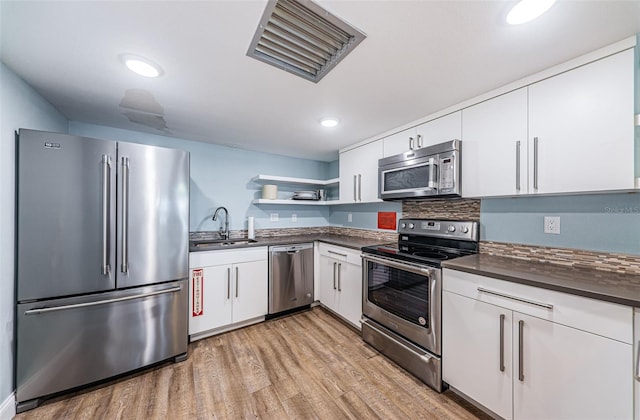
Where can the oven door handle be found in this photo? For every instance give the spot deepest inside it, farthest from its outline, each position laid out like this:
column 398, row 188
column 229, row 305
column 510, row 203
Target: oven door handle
column 414, row 268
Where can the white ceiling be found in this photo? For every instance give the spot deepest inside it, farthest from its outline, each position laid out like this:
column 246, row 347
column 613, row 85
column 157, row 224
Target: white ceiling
column 419, row 57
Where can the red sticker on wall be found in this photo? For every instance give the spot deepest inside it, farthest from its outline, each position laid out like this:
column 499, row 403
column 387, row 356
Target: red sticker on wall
column 197, row 289
column 387, row 220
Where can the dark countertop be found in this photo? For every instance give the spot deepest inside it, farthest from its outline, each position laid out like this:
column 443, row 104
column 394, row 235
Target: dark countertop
column 597, row 284
column 353, row 242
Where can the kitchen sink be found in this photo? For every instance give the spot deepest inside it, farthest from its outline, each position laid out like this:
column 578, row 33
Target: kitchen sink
column 221, row 242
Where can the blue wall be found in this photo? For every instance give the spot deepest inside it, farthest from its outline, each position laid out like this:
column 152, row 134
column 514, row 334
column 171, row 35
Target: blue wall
column 221, row 176
column 20, row 107
column 363, row 216
column 605, row 222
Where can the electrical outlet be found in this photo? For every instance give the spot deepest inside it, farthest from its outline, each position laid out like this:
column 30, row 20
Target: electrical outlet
column 552, row 224
column 274, row 217
column 349, row 217
column 294, row 217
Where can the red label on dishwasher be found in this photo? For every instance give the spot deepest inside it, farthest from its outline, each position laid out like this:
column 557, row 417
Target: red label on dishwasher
column 197, row 280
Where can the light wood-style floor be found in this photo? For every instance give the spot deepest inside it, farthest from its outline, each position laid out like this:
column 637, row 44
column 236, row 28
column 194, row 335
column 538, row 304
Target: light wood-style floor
column 303, row 366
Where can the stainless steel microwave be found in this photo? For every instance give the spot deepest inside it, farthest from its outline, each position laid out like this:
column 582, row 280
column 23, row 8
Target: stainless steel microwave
column 428, row 172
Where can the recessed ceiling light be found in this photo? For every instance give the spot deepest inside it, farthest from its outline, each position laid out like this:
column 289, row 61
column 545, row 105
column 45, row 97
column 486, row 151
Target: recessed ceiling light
column 329, row 122
column 141, row 66
column 526, row 10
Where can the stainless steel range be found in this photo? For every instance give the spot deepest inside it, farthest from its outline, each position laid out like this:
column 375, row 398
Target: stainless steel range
column 402, row 296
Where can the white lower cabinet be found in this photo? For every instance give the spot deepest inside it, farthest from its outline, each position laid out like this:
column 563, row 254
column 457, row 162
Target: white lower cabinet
column 233, row 289
column 471, row 351
column 636, row 363
column 341, row 282
column 570, row 360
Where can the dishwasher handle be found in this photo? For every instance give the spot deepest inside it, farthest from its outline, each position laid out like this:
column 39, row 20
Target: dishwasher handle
column 290, row 249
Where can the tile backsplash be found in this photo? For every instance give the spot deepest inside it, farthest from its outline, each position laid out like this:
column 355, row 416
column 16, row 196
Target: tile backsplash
column 605, row 261
column 442, row 208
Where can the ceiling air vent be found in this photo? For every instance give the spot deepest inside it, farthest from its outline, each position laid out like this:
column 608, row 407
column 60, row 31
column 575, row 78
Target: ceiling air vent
column 302, row 38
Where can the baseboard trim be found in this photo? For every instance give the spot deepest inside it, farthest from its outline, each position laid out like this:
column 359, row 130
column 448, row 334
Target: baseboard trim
column 8, row 407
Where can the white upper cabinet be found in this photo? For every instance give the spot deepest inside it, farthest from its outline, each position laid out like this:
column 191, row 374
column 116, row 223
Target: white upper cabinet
column 494, row 146
column 432, row 132
column 399, row 142
column 440, row 130
column 572, row 132
column 581, row 133
column 359, row 173
column 566, row 134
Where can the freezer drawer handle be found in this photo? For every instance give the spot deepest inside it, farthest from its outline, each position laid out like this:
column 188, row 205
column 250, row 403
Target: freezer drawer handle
column 125, row 214
column 101, row 302
column 106, row 174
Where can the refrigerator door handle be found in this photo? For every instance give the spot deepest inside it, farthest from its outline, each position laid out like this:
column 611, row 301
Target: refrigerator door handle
column 101, row 302
column 106, row 175
column 125, row 212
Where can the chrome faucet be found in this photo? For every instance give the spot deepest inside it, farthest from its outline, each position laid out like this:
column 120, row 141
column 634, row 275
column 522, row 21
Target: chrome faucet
column 224, row 234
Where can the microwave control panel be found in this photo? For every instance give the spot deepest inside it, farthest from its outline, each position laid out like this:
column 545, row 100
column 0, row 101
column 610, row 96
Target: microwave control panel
column 447, row 173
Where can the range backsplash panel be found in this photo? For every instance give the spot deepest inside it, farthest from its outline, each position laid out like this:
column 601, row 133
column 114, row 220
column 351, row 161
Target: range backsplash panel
column 442, row 208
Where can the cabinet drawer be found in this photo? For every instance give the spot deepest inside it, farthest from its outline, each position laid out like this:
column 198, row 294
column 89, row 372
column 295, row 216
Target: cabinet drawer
column 598, row 317
column 226, row 256
column 340, row 253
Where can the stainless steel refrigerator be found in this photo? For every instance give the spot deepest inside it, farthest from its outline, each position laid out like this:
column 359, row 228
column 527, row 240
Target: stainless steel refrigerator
column 102, row 260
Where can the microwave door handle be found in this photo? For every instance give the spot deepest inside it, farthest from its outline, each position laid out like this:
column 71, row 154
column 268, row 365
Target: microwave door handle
column 432, row 174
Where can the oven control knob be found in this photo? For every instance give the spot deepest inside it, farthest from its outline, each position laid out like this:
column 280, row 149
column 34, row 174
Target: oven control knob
column 465, row 229
column 451, row 228
column 411, row 225
column 404, row 225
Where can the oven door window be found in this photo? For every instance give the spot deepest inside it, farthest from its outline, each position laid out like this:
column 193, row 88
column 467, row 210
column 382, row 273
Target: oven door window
column 402, row 293
column 407, row 179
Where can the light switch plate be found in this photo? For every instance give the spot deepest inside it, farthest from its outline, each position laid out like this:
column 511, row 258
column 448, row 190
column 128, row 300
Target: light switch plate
column 349, row 217
column 552, row 224
column 294, row 217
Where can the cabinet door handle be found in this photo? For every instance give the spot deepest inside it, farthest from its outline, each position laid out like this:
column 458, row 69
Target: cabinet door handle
column 236, row 282
column 535, row 163
column 355, row 188
column 336, row 253
column 411, row 143
column 228, row 283
column 638, row 363
column 519, row 299
column 518, row 165
column 339, row 277
column 419, row 137
column 502, row 342
column 520, row 349
column 334, row 275
column 359, row 187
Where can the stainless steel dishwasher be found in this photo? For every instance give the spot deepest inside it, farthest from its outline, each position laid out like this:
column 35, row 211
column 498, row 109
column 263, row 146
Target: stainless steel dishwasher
column 290, row 277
